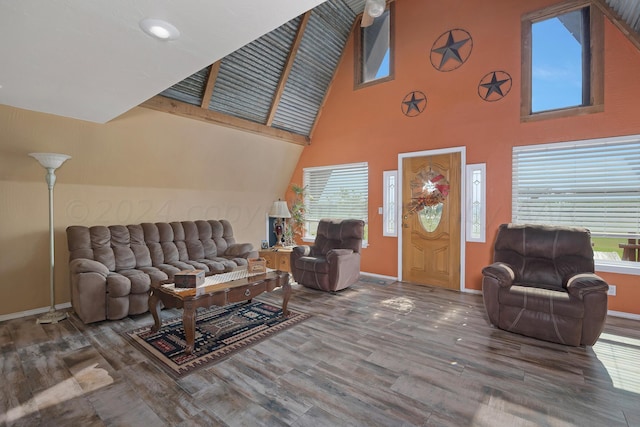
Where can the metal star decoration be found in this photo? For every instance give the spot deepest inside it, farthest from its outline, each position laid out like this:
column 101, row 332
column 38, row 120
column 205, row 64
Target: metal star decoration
column 414, row 103
column 494, row 86
column 454, row 48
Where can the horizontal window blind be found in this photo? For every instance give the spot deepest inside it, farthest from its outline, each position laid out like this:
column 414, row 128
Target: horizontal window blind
column 339, row 191
column 593, row 184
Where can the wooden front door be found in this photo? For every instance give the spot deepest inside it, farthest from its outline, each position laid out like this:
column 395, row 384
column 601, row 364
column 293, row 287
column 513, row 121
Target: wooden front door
column 431, row 229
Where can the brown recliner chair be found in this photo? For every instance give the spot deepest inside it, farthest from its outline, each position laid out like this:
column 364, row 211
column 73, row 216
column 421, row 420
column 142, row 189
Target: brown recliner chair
column 542, row 284
column 333, row 262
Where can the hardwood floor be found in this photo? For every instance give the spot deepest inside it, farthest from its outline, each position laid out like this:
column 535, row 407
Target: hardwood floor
column 372, row 355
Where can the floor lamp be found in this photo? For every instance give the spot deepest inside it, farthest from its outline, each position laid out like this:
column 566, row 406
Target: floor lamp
column 51, row 162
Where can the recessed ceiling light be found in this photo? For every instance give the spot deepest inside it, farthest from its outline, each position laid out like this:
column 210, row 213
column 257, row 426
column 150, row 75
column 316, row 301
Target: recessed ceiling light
column 159, row 29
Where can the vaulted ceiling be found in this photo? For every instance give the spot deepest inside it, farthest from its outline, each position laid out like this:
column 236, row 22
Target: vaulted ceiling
column 260, row 66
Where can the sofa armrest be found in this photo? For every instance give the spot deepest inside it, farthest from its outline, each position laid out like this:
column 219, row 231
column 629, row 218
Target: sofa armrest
column 500, row 272
column 85, row 265
column 89, row 289
column 334, row 253
column 299, row 251
column 239, row 250
column 584, row 283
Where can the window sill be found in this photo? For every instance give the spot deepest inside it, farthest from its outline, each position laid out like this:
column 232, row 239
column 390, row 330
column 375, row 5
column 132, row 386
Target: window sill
column 563, row 112
column 620, row 267
column 362, row 85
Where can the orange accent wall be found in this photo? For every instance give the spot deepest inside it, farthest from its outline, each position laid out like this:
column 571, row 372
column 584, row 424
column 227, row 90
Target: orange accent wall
column 368, row 124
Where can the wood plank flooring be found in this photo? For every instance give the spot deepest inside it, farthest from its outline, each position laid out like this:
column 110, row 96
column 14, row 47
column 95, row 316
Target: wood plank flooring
column 372, row 355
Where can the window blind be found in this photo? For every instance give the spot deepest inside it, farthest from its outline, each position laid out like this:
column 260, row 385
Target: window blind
column 339, row 191
column 593, row 184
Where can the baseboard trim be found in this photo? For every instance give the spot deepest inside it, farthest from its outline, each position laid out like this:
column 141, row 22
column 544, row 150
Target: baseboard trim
column 379, row 276
column 27, row 313
column 623, row 315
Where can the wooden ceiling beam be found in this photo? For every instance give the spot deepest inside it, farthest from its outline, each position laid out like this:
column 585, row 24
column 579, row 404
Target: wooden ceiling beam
column 171, row 106
column 631, row 34
column 214, row 69
column 287, row 68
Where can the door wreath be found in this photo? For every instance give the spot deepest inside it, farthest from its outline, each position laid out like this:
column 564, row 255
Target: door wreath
column 428, row 188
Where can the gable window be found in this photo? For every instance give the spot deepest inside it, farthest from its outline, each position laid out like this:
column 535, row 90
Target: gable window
column 374, row 50
column 562, row 64
column 336, row 192
column 593, row 184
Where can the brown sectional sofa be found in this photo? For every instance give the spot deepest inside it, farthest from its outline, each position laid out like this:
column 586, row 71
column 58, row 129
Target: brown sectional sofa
column 111, row 268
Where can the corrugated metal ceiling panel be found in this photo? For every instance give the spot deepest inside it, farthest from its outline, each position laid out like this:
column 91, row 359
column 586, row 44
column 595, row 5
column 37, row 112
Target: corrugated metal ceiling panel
column 190, row 89
column 629, row 10
column 313, row 68
column 248, row 78
column 357, row 6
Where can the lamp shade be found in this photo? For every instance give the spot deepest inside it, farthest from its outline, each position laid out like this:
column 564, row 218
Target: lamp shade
column 279, row 210
column 50, row 160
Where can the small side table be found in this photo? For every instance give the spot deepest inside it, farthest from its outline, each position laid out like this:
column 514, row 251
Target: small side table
column 278, row 258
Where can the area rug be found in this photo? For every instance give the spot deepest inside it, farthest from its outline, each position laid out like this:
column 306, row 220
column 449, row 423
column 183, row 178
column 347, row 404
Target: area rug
column 220, row 332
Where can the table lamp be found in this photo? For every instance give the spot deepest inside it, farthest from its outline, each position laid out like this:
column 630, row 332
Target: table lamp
column 280, row 211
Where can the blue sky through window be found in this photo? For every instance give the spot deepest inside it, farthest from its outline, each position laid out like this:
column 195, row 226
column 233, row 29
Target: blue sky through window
column 383, row 70
column 556, row 66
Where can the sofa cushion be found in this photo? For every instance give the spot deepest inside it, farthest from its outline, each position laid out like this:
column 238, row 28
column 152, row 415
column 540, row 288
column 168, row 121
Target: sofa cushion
column 239, row 262
column 217, row 233
column 152, row 240
column 541, row 300
column 315, row 264
column 138, row 246
column 140, row 281
column 168, row 269
column 101, row 244
column 238, row 249
column 155, row 273
column 345, row 234
column 527, row 249
column 179, row 240
column 79, row 242
column 118, row 285
column 227, row 264
column 214, row 267
column 205, row 235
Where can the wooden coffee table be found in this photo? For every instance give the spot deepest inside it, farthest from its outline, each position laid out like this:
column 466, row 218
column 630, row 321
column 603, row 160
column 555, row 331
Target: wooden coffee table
column 207, row 295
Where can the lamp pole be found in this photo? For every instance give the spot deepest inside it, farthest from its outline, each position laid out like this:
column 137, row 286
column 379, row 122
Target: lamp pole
column 51, row 161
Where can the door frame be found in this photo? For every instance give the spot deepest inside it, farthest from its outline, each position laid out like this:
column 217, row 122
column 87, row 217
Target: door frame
column 463, row 198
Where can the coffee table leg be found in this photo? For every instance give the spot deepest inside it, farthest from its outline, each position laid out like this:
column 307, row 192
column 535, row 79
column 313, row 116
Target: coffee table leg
column 154, row 304
column 189, row 323
column 286, row 293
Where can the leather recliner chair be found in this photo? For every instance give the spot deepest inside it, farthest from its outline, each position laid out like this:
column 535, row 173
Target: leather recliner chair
column 542, row 284
column 333, row 262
